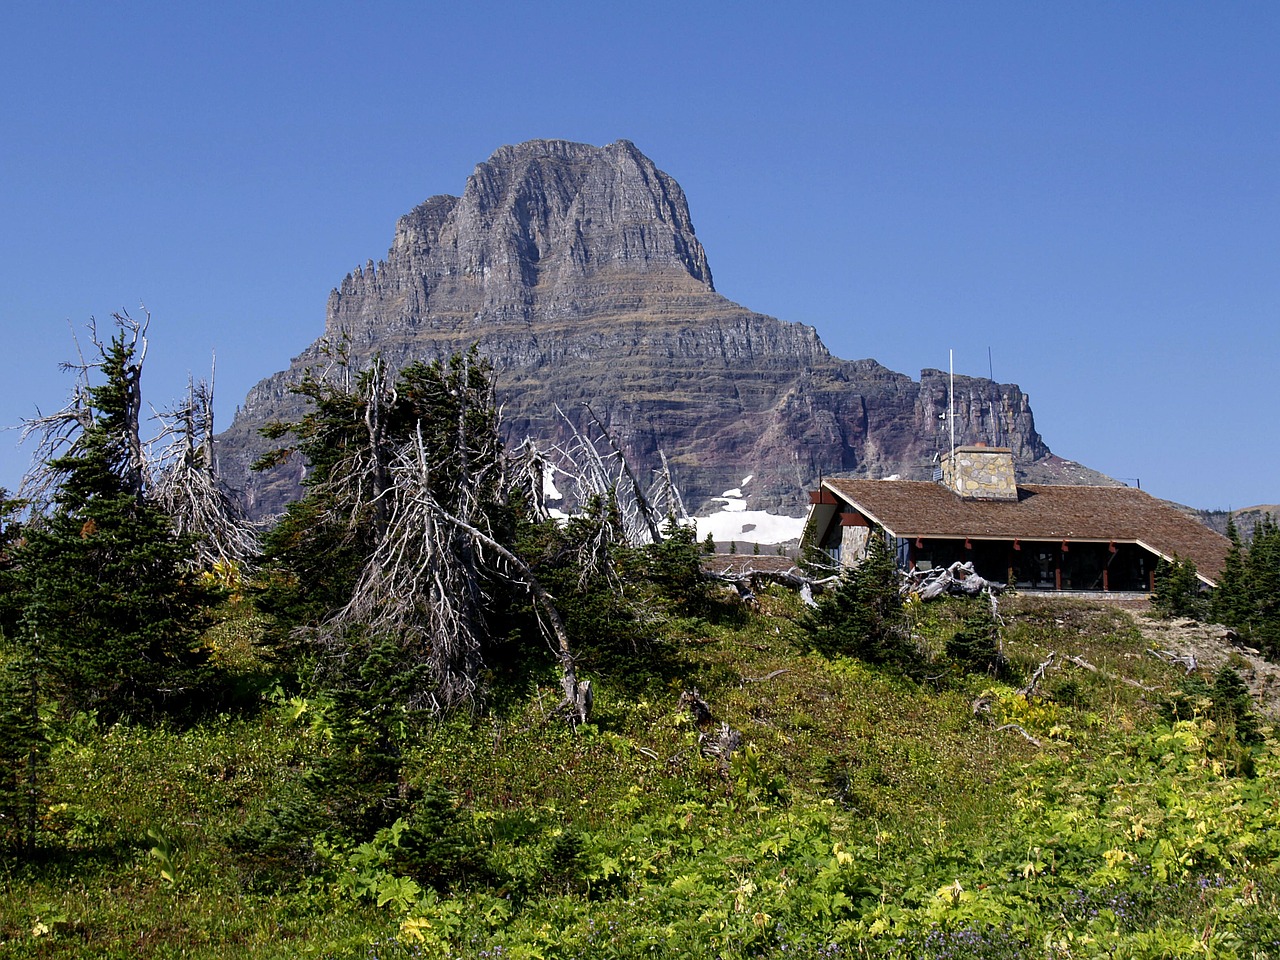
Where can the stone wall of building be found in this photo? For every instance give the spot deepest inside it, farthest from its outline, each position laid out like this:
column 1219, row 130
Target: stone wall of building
column 853, row 545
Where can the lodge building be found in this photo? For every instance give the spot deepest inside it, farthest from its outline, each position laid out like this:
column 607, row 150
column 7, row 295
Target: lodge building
column 1032, row 536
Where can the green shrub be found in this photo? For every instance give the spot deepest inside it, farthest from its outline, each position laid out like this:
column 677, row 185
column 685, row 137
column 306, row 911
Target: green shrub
column 975, row 647
column 864, row 616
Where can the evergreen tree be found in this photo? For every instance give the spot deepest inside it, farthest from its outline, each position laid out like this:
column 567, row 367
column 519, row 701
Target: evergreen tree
column 864, row 616
column 23, row 749
column 103, row 578
column 1177, row 590
column 1261, row 622
column 1232, row 701
column 1248, row 595
column 975, row 647
column 10, row 537
column 1230, row 603
column 406, row 483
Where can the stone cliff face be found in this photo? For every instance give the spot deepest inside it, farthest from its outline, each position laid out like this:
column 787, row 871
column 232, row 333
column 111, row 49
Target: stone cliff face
column 577, row 271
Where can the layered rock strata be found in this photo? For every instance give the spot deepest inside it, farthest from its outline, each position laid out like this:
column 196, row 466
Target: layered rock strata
column 577, row 271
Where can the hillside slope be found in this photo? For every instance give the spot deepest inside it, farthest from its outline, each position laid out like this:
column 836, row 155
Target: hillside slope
column 864, row 814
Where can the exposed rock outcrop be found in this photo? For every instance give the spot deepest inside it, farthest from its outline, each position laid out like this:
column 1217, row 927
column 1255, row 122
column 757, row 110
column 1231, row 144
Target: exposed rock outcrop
column 577, row 270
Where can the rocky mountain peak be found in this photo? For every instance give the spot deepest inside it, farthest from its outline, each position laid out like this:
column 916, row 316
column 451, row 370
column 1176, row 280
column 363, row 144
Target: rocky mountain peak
column 577, row 270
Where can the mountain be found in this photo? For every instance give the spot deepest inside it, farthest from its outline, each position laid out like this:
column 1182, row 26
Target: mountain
column 1246, row 518
column 577, row 270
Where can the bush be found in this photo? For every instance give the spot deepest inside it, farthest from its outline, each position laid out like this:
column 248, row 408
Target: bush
column 975, row 647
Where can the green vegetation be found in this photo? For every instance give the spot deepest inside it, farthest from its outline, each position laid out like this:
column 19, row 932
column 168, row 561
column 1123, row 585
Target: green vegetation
column 286, row 772
column 1177, row 590
column 866, row 814
column 1248, row 594
column 1248, row 597
column 107, row 606
column 864, row 616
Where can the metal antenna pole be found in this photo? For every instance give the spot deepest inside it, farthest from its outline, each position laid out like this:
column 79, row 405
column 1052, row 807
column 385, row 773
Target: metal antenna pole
column 951, row 410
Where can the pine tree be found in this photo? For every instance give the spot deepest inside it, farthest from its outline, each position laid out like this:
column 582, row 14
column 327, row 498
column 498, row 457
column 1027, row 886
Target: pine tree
column 975, row 647
column 102, row 577
column 1177, row 590
column 1262, row 576
column 1230, row 604
column 10, row 537
column 23, row 749
column 864, row 616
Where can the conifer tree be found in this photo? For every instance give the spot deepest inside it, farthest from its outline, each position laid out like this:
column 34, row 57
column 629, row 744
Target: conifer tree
column 1262, row 576
column 10, row 535
column 102, row 577
column 1177, row 589
column 864, row 616
column 23, row 749
column 22, row 740
column 1230, row 601
column 375, row 552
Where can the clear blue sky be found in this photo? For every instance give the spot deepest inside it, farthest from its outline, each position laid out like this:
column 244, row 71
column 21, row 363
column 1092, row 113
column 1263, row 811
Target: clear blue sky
column 1089, row 189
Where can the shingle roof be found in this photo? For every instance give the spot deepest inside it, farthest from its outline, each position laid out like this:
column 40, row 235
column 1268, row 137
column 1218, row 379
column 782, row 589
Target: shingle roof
column 913, row 508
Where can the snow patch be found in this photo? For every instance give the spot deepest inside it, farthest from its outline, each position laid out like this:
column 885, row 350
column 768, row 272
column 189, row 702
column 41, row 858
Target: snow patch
column 752, row 526
column 747, row 479
column 549, row 491
column 735, row 492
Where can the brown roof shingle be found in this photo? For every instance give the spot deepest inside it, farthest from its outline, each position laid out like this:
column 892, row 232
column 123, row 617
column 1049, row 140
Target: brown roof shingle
column 913, row 508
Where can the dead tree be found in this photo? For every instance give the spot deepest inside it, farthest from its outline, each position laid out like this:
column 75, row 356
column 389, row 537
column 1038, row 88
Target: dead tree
column 606, row 476
column 652, row 519
column 959, row 579
column 186, row 485
column 664, row 495
column 534, row 472
column 426, row 501
column 423, row 586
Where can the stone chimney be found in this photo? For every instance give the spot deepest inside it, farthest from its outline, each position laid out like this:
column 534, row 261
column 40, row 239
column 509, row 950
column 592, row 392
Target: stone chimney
column 980, row 472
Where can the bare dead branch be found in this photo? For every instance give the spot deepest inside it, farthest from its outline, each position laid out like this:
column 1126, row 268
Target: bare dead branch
column 651, row 518
column 1086, row 665
column 186, row 485
column 1037, row 675
column 1187, row 661
column 1020, row 729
